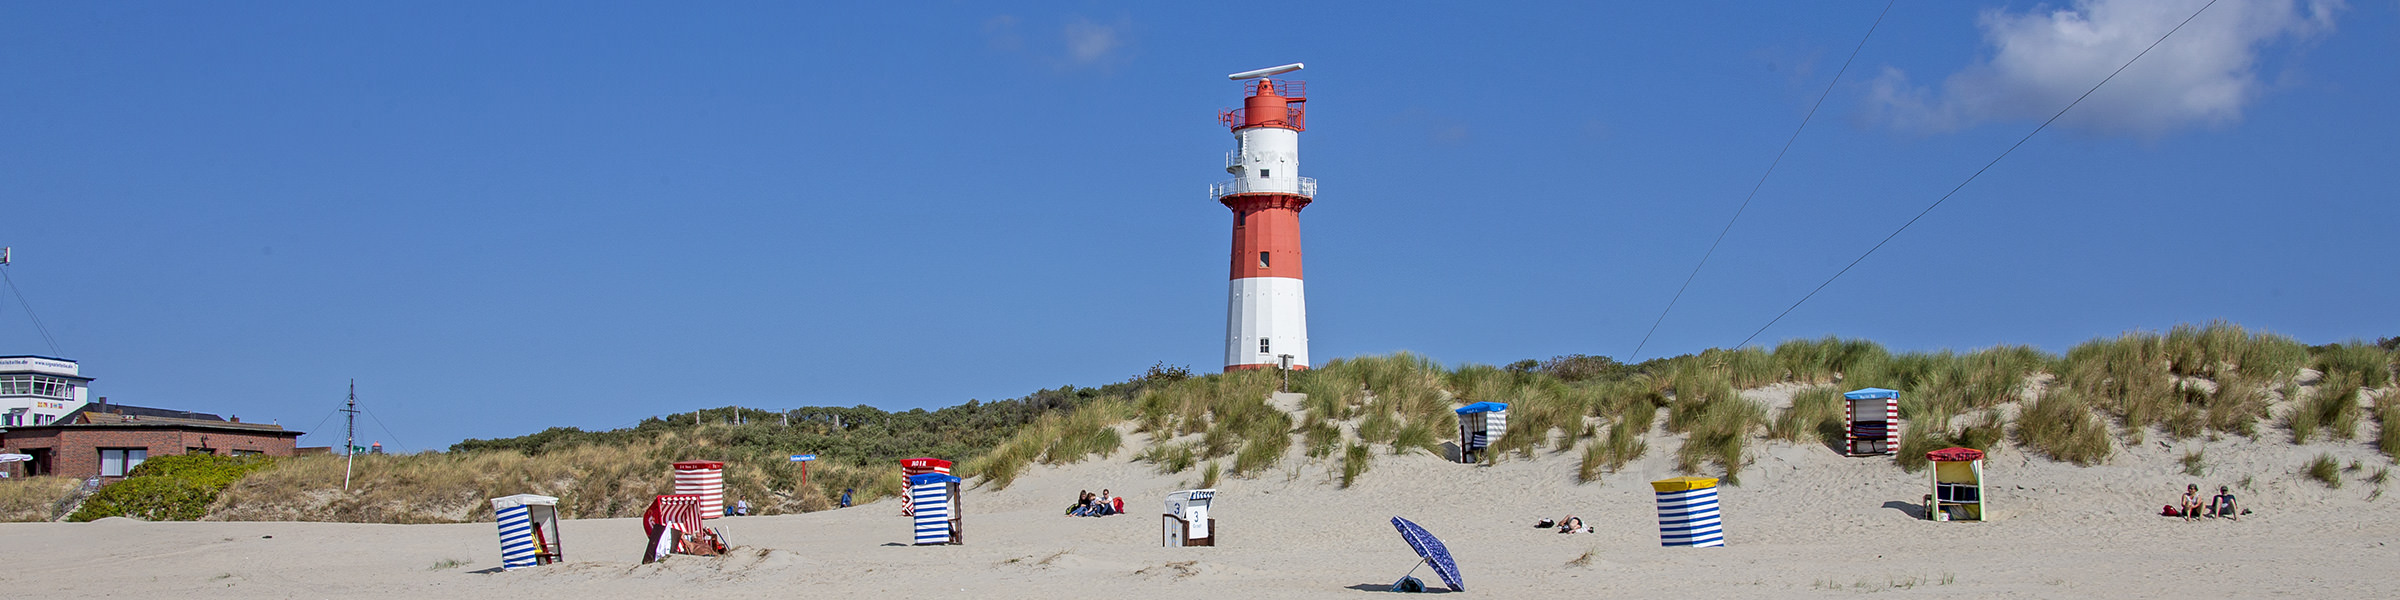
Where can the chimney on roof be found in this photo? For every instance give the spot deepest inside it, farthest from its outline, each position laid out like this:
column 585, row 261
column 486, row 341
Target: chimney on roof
column 237, row 418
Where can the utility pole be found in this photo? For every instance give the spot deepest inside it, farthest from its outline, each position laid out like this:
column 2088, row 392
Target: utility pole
column 350, row 441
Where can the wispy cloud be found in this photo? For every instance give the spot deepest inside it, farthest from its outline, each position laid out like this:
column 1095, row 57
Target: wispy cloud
column 1000, row 32
column 1093, row 43
column 2043, row 58
column 1079, row 42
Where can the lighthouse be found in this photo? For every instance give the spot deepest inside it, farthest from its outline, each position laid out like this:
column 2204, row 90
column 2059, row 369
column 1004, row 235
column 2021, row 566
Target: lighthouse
column 1266, row 317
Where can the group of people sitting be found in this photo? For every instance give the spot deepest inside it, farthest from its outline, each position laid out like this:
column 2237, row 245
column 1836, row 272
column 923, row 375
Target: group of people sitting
column 1569, row 524
column 2190, row 508
column 1088, row 504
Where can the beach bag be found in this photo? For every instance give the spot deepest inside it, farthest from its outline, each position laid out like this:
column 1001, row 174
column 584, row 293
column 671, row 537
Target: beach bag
column 2169, row 511
column 1544, row 524
column 1408, row 584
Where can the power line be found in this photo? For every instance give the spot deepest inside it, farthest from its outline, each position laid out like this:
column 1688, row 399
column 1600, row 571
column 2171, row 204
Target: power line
column 321, row 422
column 386, row 430
column 37, row 319
column 1762, row 181
column 1978, row 173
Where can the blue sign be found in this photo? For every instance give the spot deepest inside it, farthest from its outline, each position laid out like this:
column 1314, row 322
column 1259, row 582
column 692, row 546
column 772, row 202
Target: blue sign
column 803, row 457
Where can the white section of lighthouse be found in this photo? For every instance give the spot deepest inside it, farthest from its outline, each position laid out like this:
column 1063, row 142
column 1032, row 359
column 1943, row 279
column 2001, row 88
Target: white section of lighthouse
column 1266, row 316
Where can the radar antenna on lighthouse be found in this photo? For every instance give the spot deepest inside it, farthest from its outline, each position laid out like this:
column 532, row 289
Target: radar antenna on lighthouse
column 1266, row 318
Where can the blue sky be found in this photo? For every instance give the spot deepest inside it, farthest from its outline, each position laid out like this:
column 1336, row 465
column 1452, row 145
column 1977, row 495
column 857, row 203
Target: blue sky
column 503, row 218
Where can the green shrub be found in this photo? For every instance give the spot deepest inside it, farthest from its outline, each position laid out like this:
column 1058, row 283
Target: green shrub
column 169, row 488
column 2061, row 425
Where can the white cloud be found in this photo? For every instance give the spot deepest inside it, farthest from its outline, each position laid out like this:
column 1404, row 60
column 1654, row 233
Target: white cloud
column 2040, row 60
column 1091, row 43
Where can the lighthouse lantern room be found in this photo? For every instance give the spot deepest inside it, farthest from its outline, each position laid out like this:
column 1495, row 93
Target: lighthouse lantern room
column 1266, row 318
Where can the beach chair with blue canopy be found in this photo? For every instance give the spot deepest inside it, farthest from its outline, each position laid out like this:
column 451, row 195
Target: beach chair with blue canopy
column 1479, row 425
column 1871, row 422
column 935, row 497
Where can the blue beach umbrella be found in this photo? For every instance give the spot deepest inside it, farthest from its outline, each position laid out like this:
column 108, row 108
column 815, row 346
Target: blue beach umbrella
column 1432, row 551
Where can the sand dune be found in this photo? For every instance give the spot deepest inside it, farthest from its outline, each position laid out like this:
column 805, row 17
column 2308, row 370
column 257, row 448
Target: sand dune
column 1805, row 523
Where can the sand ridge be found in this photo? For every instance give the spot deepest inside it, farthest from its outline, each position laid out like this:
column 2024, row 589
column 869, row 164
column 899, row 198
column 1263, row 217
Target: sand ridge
column 1804, row 523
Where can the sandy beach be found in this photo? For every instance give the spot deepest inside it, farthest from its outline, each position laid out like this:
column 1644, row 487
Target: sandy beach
column 1804, row 523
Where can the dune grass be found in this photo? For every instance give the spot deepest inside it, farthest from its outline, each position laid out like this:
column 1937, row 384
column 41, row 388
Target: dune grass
column 2332, row 408
column 24, row 499
column 2062, row 426
column 1815, row 415
column 2387, row 424
column 1716, row 420
column 1355, row 460
column 1171, row 458
column 2325, row 469
column 2371, row 365
column 1055, row 438
column 591, row 481
column 2195, row 463
column 2238, row 404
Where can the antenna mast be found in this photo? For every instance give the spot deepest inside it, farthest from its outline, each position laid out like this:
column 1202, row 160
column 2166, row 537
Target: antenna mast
column 350, row 441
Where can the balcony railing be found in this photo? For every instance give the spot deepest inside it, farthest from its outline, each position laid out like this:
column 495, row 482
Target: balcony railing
column 1298, row 186
column 1294, row 116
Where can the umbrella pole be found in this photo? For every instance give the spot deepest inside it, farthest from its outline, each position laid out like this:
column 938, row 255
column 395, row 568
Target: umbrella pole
column 1412, row 569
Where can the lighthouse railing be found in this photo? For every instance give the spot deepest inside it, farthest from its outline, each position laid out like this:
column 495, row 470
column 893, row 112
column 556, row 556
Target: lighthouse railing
column 1302, row 186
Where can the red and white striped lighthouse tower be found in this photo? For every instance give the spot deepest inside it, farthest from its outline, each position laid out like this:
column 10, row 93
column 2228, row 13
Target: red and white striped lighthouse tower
column 1267, row 317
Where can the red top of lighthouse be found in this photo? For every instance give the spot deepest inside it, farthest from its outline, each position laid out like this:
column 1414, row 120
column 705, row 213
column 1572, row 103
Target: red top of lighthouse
column 1271, row 103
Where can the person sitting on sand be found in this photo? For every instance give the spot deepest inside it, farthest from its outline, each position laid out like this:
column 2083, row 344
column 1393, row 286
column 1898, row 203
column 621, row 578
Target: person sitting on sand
column 1572, row 524
column 2223, row 505
column 2191, row 502
column 1100, row 505
column 1083, row 504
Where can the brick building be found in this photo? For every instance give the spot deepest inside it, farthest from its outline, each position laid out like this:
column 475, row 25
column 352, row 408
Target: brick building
column 107, row 440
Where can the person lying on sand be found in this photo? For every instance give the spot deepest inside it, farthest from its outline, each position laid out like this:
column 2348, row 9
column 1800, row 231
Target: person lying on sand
column 2223, row 505
column 2191, row 502
column 1572, row 524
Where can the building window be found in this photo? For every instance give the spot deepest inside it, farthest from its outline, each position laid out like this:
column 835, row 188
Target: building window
column 1262, row 260
column 248, row 452
column 37, row 385
column 1262, row 346
column 1262, row 173
column 116, row 462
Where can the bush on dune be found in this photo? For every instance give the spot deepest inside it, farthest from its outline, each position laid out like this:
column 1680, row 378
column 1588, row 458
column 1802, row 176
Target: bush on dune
column 169, row 488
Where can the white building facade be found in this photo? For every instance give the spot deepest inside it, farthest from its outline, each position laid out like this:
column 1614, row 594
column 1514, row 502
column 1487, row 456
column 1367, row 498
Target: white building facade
column 37, row 390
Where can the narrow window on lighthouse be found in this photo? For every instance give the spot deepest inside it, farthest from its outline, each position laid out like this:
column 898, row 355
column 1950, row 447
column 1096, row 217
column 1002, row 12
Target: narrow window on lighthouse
column 1262, row 345
column 1262, row 260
